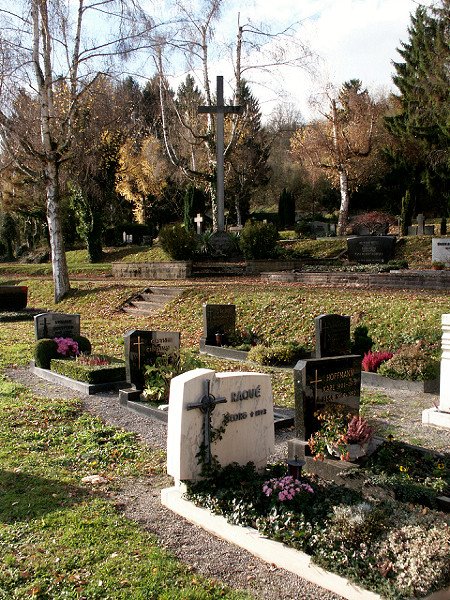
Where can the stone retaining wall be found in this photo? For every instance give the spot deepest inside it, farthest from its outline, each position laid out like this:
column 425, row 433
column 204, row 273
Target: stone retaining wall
column 430, row 280
column 153, row 270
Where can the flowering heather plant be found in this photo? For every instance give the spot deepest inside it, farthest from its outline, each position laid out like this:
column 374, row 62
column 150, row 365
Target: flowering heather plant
column 358, row 431
column 372, row 360
column 67, row 347
column 285, row 488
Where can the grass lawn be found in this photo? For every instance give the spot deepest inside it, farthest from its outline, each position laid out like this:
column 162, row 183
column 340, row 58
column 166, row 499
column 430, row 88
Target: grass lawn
column 60, row 539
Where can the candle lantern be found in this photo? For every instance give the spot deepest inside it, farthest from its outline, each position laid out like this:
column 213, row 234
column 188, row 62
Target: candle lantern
column 295, row 467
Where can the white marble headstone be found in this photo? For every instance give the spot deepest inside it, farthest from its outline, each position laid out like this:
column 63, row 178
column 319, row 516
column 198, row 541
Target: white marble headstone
column 440, row 250
column 249, row 434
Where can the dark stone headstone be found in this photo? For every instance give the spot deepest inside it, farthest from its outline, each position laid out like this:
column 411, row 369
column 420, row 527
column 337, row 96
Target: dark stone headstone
column 420, row 224
column 320, row 228
column 52, row 325
column 218, row 319
column 367, row 249
column 322, row 382
column 143, row 347
column 13, row 297
column 332, row 335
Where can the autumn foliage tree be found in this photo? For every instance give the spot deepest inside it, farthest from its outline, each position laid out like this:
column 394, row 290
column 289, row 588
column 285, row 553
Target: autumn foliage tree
column 340, row 143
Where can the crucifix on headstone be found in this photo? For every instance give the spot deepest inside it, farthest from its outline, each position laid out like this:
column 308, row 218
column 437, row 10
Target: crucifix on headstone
column 220, row 110
column 198, row 221
column 206, row 405
column 138, row 344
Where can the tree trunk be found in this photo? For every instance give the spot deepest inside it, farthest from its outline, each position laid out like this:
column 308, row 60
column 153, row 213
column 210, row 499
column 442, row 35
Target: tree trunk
column 59, row 264
column 345, row 203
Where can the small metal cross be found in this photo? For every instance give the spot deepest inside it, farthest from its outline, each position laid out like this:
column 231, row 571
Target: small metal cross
column 315, row 381
column 206, row 405
column 138, row 344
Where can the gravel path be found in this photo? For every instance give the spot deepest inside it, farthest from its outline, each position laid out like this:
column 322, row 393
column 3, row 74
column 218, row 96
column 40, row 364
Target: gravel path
column 139, row 500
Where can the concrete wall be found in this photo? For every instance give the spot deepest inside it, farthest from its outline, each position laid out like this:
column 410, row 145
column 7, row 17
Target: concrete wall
column 154, row 270
column 431, row 280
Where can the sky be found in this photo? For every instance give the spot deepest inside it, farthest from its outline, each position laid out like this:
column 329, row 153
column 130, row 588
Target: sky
column 353, row 39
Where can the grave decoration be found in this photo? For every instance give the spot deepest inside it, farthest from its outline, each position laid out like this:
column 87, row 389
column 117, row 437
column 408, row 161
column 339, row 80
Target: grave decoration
column 144, row 348
column 218, row 419
column 64, row 356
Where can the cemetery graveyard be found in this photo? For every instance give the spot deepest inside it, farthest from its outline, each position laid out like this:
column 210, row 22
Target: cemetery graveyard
column 229, row 417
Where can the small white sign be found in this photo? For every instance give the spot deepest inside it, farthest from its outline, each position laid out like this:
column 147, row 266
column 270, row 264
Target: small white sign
column 201, row 402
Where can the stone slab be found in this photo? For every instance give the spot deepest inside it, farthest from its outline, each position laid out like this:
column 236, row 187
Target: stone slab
column 222, row 351
column 52, row 325
column 371, row 249
column 432, row 416
column 79, row 386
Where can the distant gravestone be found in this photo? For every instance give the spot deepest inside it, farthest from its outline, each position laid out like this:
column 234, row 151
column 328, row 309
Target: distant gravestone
column 369, row 249
column 420, row 224
column 332, row 335
column 201, row 402
column 218, row 319
column 440, row 250
column 141, row 349
column 322, row 382
column 320, row 228
column 13, row 297
column 52, row 325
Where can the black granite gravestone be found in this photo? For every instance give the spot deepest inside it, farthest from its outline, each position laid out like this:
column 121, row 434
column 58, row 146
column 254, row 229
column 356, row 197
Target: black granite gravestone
column 218, row 319
column 142, row 348
column 52, row 325
column 371, row 249
column 332, row 335
column 13, row 297
column 322, row 382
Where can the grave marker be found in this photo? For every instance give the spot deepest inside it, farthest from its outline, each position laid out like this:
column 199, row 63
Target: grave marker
column 440, row 250
column 218, row 319
column 198, row 221
column 332, row 335
column 141, row 349
column 324, row 382
column 370, row 249
column 52, row 325
column 241, row 403
column 13, row 297
column 440, row 415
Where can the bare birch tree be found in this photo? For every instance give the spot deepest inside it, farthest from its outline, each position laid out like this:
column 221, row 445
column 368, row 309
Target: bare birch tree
column 54, row 49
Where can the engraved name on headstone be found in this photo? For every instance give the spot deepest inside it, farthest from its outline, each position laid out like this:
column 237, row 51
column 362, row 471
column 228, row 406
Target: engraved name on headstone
column 53, row 325
column 368, row 249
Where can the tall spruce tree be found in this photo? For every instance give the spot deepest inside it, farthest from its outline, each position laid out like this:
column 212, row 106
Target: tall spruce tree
column 422, row 125
column 249, row 169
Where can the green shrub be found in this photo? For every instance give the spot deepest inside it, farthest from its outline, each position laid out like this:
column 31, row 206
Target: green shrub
column 362, row 342
column 279, row 354
column 258, row 240
column 412, row 362
column 115, row 371
column 84, row 345
column 178, row 242
column 44, row 350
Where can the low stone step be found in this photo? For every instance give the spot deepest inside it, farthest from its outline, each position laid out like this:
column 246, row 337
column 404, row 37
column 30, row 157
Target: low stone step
column 151, row 300
column 137, row 311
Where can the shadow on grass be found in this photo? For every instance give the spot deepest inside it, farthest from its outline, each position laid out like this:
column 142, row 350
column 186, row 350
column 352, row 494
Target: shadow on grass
column 77, row 293
column 24, row 497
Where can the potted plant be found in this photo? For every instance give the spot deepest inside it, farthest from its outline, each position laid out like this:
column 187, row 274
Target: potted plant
column 437, row 265
column 341, row 434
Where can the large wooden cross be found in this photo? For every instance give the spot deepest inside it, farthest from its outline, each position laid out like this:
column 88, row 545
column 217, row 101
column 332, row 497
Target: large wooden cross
column 206, row 405
column 220, row 110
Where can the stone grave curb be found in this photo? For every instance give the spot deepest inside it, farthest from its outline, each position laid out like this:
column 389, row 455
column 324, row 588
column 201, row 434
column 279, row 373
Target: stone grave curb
column 284, row 416
column 79, row 386
column 379, row 381
column 291, row 560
